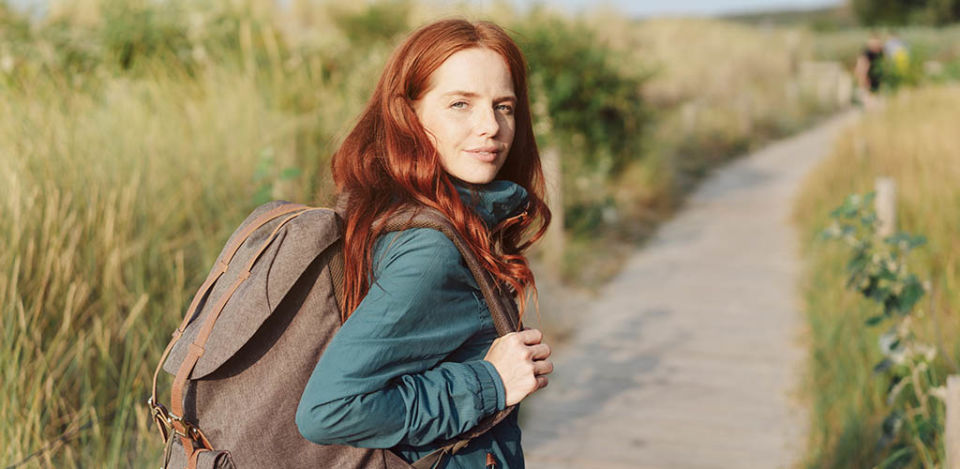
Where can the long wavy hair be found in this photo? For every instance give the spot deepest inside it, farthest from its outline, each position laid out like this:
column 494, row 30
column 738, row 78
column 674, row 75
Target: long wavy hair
column 388, row 161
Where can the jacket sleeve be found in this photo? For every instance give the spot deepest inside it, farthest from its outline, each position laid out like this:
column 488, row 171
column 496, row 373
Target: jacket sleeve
column 382, row 380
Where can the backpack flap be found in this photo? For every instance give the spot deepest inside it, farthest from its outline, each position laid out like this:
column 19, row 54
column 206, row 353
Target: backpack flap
column 295, row 246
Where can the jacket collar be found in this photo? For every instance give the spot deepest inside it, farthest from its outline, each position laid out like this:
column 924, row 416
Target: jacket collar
column 494, row 201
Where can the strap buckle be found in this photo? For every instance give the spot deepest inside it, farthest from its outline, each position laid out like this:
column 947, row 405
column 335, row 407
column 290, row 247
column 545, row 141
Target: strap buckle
column 166, row 421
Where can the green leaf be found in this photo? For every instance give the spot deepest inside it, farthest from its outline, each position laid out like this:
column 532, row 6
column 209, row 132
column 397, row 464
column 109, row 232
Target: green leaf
column 858, row 263
column 890, row 306
column 878, row 293
column 887, row 274
column 874, row 320
column 911, row 294
column 891, row 424
column 905, row 241
column 898, row 459
column 882, row 366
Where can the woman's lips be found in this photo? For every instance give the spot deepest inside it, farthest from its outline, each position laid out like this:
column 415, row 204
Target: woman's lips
column 485, row 156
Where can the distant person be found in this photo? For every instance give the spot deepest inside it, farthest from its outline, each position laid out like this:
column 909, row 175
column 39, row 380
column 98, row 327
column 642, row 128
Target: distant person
column 897, row 54
column 869, row 70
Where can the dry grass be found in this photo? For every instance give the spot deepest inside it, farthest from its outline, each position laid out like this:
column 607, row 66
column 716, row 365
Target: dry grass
column 118, row 189
column 718, row 90
column 913, row 141
column 114, row 204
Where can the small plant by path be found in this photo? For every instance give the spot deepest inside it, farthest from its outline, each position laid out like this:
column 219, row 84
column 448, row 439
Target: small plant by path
column 913, row 430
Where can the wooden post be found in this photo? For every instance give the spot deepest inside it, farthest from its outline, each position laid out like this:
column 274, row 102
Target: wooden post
column 952, row 442
column 554, row 243
column 886, row 206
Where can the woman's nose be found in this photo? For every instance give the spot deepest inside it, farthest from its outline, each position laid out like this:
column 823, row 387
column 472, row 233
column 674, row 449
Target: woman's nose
column 486, row 122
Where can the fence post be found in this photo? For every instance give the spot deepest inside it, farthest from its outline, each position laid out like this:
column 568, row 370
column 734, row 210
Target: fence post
column 953, row 423
column 886, row 206
column 554, row 243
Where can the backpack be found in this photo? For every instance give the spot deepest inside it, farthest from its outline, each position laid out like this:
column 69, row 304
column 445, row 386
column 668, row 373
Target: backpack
column 256, row 329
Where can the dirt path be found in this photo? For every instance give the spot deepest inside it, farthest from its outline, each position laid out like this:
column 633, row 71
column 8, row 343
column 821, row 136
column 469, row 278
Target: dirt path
column 691, row 354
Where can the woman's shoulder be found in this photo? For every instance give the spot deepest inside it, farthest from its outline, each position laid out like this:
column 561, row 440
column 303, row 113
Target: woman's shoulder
column 421, row 246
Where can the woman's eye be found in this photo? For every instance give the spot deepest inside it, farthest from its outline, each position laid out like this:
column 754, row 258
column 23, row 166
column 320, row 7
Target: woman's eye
column 459, row 105
column 505, row 107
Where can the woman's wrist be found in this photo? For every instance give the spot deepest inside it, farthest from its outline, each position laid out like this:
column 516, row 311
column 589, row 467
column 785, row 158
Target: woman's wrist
column 489, row 390
column 497, row 384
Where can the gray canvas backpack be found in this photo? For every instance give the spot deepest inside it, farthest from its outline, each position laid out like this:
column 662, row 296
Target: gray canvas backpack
column 254, row 332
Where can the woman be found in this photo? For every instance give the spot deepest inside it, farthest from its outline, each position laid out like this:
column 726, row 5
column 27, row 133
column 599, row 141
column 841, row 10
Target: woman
column 418, row 361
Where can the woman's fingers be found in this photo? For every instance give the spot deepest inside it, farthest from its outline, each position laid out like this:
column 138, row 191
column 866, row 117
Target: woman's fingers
column 542, row 382
column 542, row 367
column 518, row 357
column 530, row 336
column 539, row 351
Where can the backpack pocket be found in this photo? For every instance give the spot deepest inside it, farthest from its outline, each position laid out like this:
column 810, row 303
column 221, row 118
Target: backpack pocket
column 215, row 459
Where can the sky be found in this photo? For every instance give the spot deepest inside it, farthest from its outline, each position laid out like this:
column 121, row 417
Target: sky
column 642, row 8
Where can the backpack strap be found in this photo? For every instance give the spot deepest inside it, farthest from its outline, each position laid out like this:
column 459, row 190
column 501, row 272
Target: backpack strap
column 503, row 312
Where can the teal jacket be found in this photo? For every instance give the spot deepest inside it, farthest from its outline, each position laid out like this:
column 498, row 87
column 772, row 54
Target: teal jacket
column 406, row 370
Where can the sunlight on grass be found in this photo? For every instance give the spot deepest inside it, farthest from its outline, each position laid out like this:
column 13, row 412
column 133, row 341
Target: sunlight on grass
column 913, row 142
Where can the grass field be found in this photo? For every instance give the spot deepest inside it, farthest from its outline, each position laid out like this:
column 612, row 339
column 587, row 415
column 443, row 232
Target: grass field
column 913, row 142
column 717, row 90
column 134, row 138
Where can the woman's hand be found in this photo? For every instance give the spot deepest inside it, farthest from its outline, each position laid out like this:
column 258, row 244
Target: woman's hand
column 521, row 360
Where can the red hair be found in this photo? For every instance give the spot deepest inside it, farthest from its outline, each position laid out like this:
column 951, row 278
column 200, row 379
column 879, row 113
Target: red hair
column 387, row 161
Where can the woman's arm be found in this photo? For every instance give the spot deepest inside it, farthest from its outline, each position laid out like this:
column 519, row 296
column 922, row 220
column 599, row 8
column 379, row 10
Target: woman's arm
column 381, row 381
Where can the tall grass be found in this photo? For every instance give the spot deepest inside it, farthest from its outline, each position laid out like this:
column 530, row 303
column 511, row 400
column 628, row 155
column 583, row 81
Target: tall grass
column 913, row 142
column 716, row 90
column 117, row 189
column 113, row 206
column 732, row 88
column 135, row 135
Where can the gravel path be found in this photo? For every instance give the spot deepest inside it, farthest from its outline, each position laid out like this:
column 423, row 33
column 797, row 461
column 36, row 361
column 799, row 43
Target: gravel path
column 690, row 357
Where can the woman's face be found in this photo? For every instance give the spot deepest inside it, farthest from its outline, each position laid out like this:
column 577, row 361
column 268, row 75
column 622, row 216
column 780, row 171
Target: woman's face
column 468, row 112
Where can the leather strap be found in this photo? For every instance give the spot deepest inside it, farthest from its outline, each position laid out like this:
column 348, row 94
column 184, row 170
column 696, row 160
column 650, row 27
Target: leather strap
column 430, row 461
column 192, row 461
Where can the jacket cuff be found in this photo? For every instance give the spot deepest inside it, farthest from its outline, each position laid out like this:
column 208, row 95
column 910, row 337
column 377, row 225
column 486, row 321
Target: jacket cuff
column 491, row 386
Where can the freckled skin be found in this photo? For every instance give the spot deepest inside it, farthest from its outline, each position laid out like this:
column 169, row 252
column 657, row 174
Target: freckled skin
column 468, row 109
